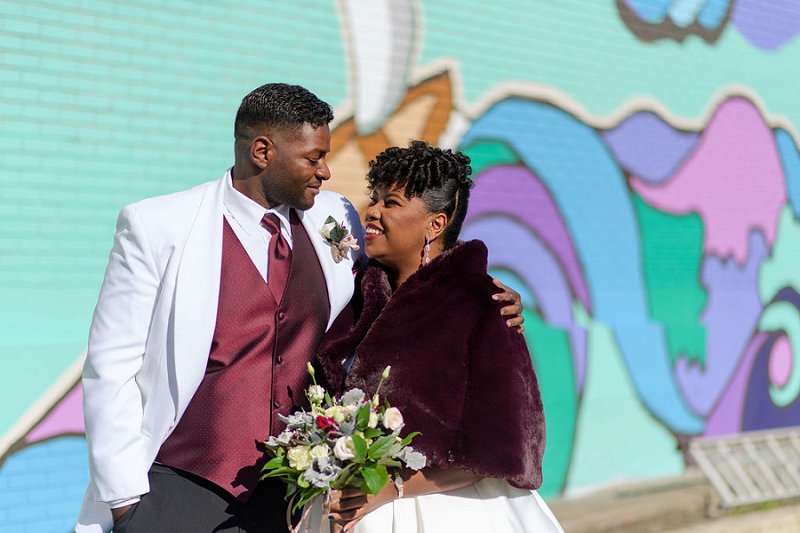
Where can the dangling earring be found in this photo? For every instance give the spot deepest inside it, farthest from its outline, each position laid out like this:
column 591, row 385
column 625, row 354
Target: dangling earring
column 427, row 249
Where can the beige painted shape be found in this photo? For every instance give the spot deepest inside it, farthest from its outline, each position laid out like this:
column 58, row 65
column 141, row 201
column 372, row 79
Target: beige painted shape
column 410, row 120
column 348, row 175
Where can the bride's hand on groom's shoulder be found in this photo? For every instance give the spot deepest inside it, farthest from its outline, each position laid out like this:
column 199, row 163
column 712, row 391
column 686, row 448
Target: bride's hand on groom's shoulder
column 349, row 506
column 513, row 307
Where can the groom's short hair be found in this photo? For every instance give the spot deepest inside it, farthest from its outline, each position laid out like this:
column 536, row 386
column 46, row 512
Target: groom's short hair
column 279, row 106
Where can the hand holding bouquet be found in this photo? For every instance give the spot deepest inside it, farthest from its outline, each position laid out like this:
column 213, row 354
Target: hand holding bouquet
column 348, row 442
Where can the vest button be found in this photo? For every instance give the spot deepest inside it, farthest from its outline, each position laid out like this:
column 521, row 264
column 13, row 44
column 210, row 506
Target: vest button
column 276, row 404
column 281, row 315
column 279, row 359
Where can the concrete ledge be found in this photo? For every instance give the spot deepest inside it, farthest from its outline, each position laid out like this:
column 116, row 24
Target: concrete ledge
column 781, row 520
column 670, row 505
column 643, row 507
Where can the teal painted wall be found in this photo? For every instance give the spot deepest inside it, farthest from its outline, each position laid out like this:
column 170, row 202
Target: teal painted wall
column 650, row 147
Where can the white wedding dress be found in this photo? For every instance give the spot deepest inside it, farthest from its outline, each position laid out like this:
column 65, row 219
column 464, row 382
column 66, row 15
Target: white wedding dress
column 488, row 506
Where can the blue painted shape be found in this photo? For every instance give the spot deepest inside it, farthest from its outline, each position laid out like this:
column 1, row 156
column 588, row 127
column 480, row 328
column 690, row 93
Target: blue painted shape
column 713, row 13
column 590, row 190
column 651, row 11
column 42, row 486
column 790, row 159
column 684, row 12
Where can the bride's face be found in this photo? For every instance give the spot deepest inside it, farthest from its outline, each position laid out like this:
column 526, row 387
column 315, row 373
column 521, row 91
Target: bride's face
column 395, row 229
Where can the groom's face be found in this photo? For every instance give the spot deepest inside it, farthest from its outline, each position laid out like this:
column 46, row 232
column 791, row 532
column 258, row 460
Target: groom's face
column 296, row 166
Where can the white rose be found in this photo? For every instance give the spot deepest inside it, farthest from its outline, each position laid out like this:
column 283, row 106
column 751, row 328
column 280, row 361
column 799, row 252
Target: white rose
column 319, row 451
column 326, row 229
column 316, row 393
column 299, row 457
column 392, row 419
column 344, row 448
column 373, row 419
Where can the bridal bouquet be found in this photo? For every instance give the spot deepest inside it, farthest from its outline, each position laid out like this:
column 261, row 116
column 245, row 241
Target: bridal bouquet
column 348, row 442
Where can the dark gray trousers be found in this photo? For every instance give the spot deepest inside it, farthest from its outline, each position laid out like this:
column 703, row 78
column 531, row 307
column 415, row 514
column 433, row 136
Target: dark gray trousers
column 179, row 502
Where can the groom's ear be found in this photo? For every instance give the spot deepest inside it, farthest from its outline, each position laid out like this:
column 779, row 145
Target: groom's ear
column 262, row 151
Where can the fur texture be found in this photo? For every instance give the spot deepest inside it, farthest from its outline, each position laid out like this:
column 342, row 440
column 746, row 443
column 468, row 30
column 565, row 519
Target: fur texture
column 459, row 375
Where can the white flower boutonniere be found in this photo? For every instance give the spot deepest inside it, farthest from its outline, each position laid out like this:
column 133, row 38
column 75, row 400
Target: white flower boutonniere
column 338, row 238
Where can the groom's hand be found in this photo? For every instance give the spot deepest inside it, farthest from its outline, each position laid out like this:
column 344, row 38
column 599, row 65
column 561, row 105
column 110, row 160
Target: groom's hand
column 514, row 308
column 119, row 511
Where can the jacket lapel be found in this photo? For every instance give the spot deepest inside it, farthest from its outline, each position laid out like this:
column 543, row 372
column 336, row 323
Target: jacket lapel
column 197, row 294
column 338, row 276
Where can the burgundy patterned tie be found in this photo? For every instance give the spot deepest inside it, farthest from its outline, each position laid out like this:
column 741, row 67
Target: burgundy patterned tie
column 280, row 257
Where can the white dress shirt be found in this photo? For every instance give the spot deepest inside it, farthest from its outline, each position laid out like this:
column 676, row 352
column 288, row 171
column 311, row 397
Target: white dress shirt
column 244, row 216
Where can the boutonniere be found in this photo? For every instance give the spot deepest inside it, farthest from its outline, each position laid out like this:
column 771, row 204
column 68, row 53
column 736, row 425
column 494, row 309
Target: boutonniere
column 338, row 238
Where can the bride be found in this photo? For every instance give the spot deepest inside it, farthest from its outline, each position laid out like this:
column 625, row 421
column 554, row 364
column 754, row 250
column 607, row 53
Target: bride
column 459, row 375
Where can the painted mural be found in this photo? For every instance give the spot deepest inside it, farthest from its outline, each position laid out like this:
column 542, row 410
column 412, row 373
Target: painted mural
column 656, row 254
column 767, row 24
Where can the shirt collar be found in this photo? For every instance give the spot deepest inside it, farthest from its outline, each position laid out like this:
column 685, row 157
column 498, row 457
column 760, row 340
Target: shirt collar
column 248, row 213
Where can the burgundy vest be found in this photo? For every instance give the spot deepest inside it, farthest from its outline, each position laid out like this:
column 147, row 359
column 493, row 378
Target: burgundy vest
column 256, row 368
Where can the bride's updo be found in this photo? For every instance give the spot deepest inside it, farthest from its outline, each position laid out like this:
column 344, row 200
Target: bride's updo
column 439, row 177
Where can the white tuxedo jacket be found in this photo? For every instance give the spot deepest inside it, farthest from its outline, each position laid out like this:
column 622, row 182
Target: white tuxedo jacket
column 153, row 325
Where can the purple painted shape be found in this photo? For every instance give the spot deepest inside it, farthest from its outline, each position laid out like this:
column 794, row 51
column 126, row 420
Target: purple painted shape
column 759, row 411
column 512, row 246
column 515, row 191
column 767, row 24
column 730, row 318
column 65, row 418
column 727, row 415
column 648, row 147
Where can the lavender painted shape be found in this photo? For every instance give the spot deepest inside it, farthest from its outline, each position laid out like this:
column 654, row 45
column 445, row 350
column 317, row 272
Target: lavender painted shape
column 512, row 246
column 727, row 415
column 648, row 147
column 768, row 24
column 516, row 191
column 730, row 318
column 66, row 418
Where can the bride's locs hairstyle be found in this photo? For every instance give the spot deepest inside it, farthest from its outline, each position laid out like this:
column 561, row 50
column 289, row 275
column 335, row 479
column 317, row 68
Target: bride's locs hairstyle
column 439, row 177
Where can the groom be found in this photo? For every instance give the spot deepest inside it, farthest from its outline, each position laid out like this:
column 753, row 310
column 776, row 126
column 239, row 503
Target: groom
column 213, row 301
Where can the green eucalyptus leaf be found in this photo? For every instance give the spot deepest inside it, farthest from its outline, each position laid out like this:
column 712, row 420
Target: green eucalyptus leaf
column 380, row 447
column 275, row 462
column 371, row 433
column 362, row 419
column 280, row 471
column 372, row 479
column 389, row 462
column 360, row 446
column 406, row 441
